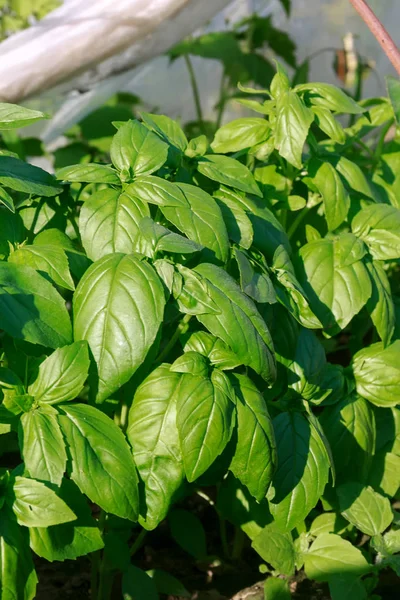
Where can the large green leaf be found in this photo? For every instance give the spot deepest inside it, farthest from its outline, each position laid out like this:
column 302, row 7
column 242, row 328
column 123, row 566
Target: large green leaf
column 137, row 151
column 377, row 373
column 336, row 200
column 88, row 173
column 49, row 259
column 255, row 457
column 136, row 584
column 276, row 548
column 303, row 469
column 62, row 375
column 370, row 512
column 378, row 225
column 42, row 445
column 36, row 505
column 31, row 309
column 167, row 129
column 335, row 279
column 191, row 210
column 18, row 577
column 328, row 124
column 68, row 540
column 329, row 96
column 238, row 224
column 380, row 305
column 153, row 435
column 240, row 134
column 13, row 116
column 101, row 463
column 293, row 122
column 23, row 177
column 109, row 222
column 349, row 426
column 330, row 556
column 205, row 419
column 239, row 324
column 228, row 171
column 118, row 309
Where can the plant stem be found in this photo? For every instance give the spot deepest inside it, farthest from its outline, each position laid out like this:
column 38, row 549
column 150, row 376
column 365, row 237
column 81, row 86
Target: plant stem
column 379, row 31
column 221, row 103
column 138, row 542
column 299, row 218
column 196, row 94
column 381, row 142
column 238, row 542
column 182, row 327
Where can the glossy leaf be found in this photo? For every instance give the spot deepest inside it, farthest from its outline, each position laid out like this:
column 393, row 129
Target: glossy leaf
column 329, row 125
column 88, row 173
column 240, row 134
column 228, row 171
column 42, row 445
column 331, row 555
column 276, row 548
column 205, row 419
column 18, row 577
column 118, row 309
column 330, row 97
column 23, row 177
column 101, row 463
column 110, row 222
column 31, row 309
column 378, row 225
column 377, row 373
column 254, row 460
column 292, row 126
column 167, row 129
column 239, row 324
column 153, row 435
column 62, row 375
column 380, row 305
column 370, row 512
column 13, row 116
column 276, row 589
column 50, row 260
column 330, row 186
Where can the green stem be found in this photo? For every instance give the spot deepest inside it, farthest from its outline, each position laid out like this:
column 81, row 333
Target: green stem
column 238, row 543
column 222, row 102
column 182, row 327
column 137, row 544
column 196, row 94
column 300, row 217
column 381, row 142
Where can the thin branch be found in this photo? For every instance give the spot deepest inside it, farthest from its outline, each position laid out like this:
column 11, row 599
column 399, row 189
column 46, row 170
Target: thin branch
column 379, row 32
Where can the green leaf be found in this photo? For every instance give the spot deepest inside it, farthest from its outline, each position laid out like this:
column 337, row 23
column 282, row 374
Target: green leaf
column 385, row 473
column 276, row 589
column 380, row 306
column 307, row 366
column 240, row 134
column 62, row 375
column 393, row 88
column 228, row 171
column 42, row 445
column 289, row 291
column 330, row 555
column 166, row 128
column 328, row 522
column 156, row 238
column 110, row 222
column 6, row 199
column 101, row 465
column 257, row 286
column 118, row 309
column 191, row 362
column 347, row 588
column 303, row 470
column 89, row 173
column 292, row 125
column 137, row 151
column 276, row 548
column 330, row 186
column 136, row 585
column 13, row 116
column 197, row 146
column 188, row 532
column 335, row 279
column 191, row 210
column 168, row 584
column 205, row 419
column 330, row 97
column 378, row 225
column 31, row 309
column 328, row 124
column 280, row 84
column 349, row 426
column 238, row 224
column 352, row 174
column 370, row 512
column 51, row 260
column 377, row 373
column 153, row 435
column 254, row 460
column 239, row 324
column 36, row 505
column 68, row 540
column 23, row 177
column 18, row 577
column 12, row 231
column 192, row 293
column 213, row 348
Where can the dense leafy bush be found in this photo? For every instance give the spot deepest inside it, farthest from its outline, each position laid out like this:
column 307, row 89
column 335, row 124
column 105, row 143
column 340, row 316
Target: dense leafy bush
column 218, row 316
